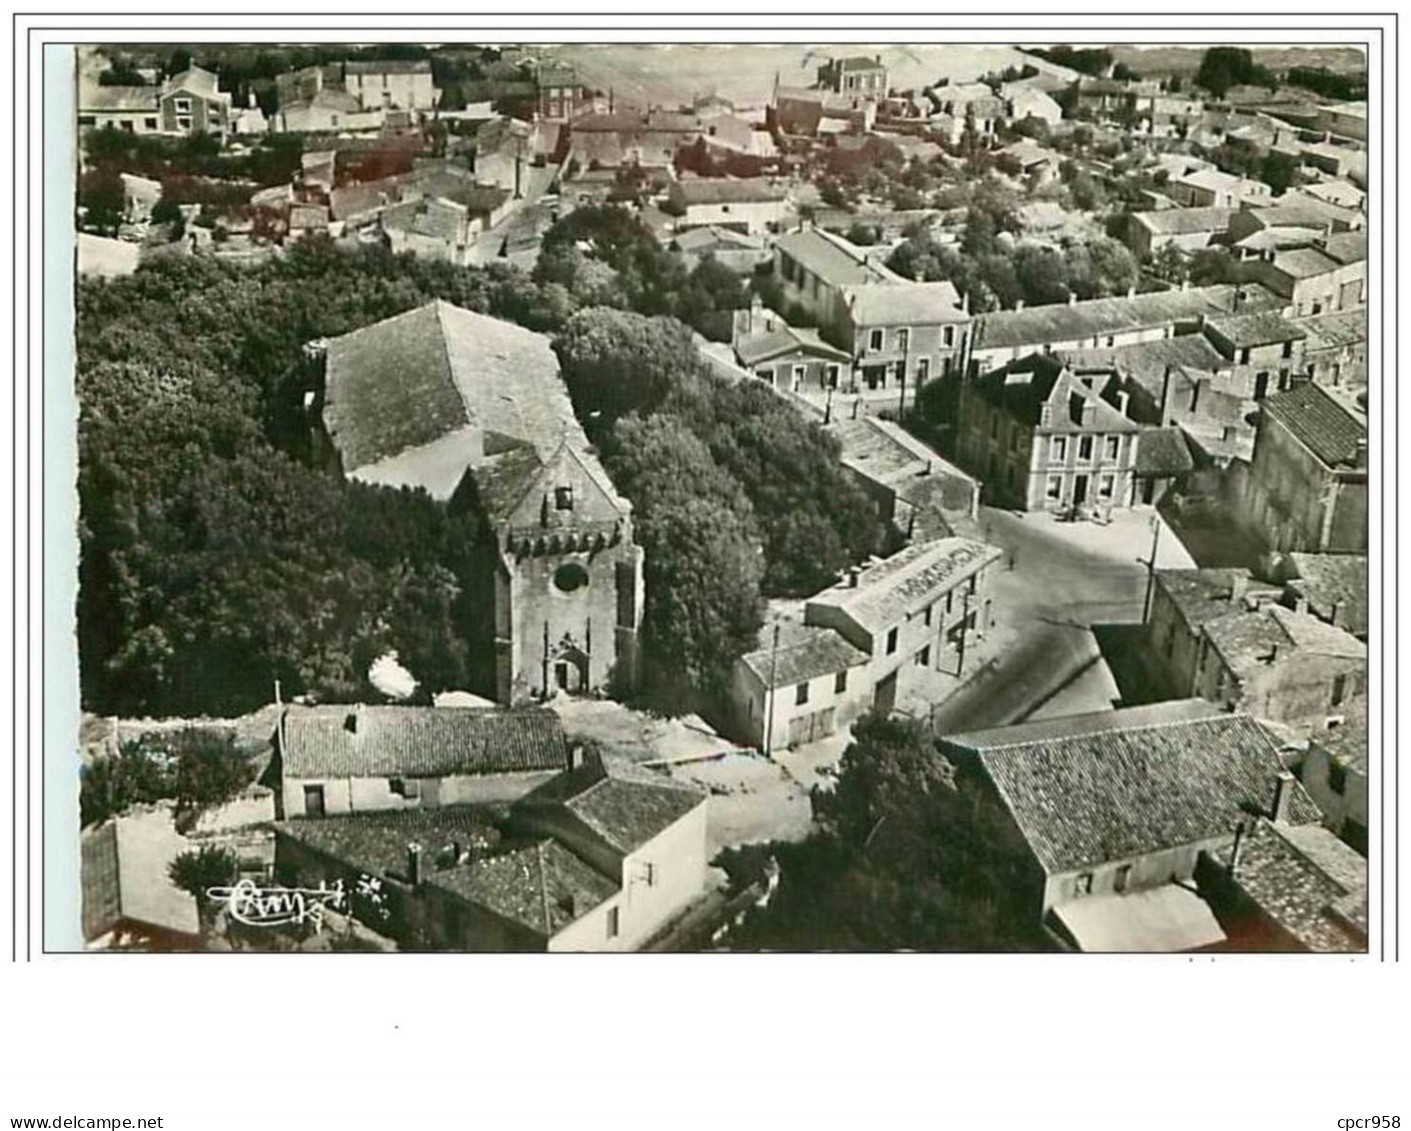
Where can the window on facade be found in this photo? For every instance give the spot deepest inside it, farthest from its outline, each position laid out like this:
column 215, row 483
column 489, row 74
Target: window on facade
column 840, row 682
column 1288, row 350
column 1085, row 447
column 127, row 125
column 1105, row 486
column 1083, row 884
column 1055, row 487
column 923, row 369
column 410, row 788
column 799, row 372
column 1339, row 688
column 183, row 105
column 832, row 372
column 1058, row 449
column 923, row 657
column 563, row 498
column 1244, row 356
column 725, row 208
column 765, row 374
column 950, row 601
column 903, row 340
column 1111, row 341
column 926, row 615
column 891, row 641
column 1337, row 777
column 1122, row 878
column 875, row 339
column 1112, row 447
column 181, row 124
column 948, row 335
column 614, row 923
column 149, row 123
column 801, row 694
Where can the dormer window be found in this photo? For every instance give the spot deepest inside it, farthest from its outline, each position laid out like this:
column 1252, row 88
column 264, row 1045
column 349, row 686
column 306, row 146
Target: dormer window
column 563, row 498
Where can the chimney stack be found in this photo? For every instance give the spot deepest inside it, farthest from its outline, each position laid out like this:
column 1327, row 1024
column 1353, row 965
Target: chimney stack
column 414, row 863
column 1283, row 795
column 1239, row 587
column 351, row 722
column 1018, row 304
column 1072, row 298
column 853, row 573
column 1361, row 458
column 575, row 756
column 1132, row 291
column 1237, row 849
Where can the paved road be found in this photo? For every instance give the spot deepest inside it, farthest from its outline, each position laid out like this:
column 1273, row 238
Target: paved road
column 1057, row 589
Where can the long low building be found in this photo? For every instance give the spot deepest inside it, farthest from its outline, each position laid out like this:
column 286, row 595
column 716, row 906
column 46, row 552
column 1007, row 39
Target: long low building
column 1104, row 323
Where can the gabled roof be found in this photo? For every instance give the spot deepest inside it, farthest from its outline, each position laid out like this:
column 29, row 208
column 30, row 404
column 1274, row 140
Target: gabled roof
column 1336, row 330
column 364, row 741
column 1328, row 580
column 1023, row 388
column 832, row 259
column 1302, row 877
column 903, row 583
column 917, row 304
column 1203, row 594
column 1331, row 430
column 623, row 807
column 417, row 381
column 1115, row 785
column 1304, row 262
column 1261, row 328
column 1347, row 247
column 1062, row 322
column 117, row 99
column 542, row 886
column 724, row 190
column 785, row 341
column 1251, row 641
column 804, row 652
column 1163, row 452
column 1146, row 363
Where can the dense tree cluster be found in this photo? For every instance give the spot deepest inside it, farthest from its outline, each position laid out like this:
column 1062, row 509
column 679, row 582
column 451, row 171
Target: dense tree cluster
column 213, row 558
column 195, row 768
column 1328, row 84
column 735, row 494
column 274, row 160
column 1224, row 67
column 1085, row 60
column 905, row 857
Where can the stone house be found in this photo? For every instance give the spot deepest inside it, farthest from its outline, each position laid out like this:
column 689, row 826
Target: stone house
column 1332, row 587
column 752, row 206
column 917, row 609
column 600, row 857
column 1210, row 188
column 1182, row 602
column 803, row 683
column 1290, row 888
column 1041, row 436
column 1329, row 276
column 1335, row 350
column 1187, row 229
column 190, row 102
column 1306, row 487
column 1334, row 772
column 358, row 759
column 794, row 359
column 473, row 410
column 1108, row 814
column 855, row 76
column 1264, row 350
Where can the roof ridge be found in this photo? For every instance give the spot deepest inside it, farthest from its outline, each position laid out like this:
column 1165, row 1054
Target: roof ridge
column 1114, row 730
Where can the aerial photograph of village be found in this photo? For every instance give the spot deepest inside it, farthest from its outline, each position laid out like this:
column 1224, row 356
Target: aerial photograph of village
column 723, row 497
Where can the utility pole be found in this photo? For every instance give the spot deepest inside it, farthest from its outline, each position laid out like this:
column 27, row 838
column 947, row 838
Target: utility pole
column 828, row 409
column 770, row 691
column 964, row 623
column 1151, row 567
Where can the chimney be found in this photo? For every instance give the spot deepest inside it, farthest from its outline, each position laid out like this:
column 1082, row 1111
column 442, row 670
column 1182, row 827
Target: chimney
column 575, row 756
column 1072, row 298
column 1273, row 653
column 414, row 863
column 1283, row 795
column 853, row 573
column 1132, row 291
column 1018, row 304
column 350, row 724
column 1239, row 587
column 1237, row 849
column 1360, row 460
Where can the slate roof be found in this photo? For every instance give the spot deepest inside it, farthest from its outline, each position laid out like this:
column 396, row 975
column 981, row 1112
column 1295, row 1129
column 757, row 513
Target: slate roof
column 1162, row 452
column 911, row 578
column 1261, row 328
column 1121, row 784
column 410, row 382
column 1201, row 595
column 1328, row 428
column 622, row 807
column 1060, row 322
column 543, row 886
column 1302, row 878
column 1185, row 221
column 420, row 742
column 1022, row 388
column 804, row 652
column 1325, row 580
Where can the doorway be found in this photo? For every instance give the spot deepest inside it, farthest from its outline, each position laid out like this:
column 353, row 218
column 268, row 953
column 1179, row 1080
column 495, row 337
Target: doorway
column 1080, row 490
column 313, row 801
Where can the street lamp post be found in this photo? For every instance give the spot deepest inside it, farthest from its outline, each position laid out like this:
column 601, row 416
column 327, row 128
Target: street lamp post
column 1151, row 568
